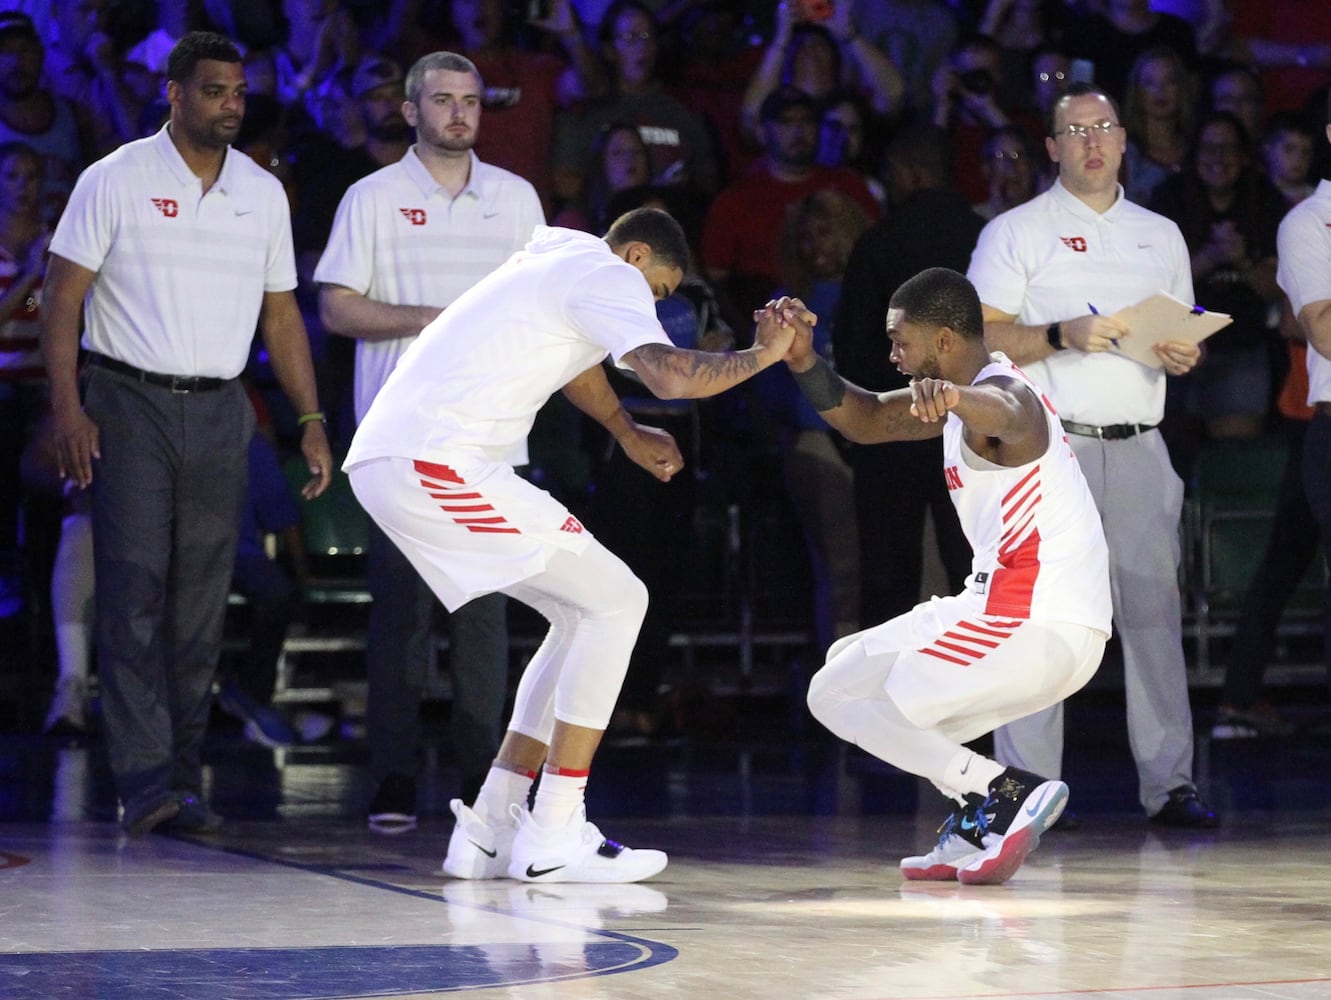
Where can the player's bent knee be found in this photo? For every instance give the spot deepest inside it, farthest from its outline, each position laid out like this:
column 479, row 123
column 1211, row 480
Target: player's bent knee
column 627, row 599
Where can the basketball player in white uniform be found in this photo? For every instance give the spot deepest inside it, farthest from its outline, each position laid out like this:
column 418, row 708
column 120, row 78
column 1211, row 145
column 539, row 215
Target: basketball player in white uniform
column 428, row 463
column 1030, row 626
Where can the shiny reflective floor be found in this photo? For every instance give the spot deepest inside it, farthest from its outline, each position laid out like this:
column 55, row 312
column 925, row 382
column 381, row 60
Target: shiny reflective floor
column 782, row 880
column 754, row 907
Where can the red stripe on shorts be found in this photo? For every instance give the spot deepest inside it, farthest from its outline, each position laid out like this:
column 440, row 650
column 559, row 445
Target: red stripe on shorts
column 439, row 487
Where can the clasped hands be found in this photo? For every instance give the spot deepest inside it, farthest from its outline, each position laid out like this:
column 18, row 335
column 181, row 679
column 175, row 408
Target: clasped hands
column 788, row 317
column 785, row 327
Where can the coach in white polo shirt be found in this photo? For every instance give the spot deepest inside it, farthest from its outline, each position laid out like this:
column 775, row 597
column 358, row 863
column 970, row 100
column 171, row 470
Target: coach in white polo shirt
column 1304, row 249
column 1048, row 273
column 408, row 240
column 176, row 247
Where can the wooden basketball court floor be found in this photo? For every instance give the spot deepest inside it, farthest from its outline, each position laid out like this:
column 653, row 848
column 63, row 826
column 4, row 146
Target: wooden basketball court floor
column 297, row 899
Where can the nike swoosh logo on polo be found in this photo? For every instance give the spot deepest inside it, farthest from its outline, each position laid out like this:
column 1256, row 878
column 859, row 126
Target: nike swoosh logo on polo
column 534, row 872
column 244, row 211
column 1143, row 246
column 1031, row 810
column 488, row 854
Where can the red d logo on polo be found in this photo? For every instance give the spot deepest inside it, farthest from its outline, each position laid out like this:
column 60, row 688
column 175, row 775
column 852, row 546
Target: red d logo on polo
column 167, row 206
column 416, row 216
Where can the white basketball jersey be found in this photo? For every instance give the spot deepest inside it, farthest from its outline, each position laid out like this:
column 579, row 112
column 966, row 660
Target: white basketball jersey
column 1039, row 550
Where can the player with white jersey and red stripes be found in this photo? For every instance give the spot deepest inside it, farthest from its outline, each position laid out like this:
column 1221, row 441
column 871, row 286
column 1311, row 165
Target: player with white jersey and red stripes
column 429, row 464
column 1030, row 626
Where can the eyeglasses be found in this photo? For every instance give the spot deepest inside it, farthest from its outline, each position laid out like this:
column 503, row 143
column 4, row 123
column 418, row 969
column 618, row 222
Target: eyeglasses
column 1057, row 75
column 1100, row 130
column 629, row 37
column 1000, row 154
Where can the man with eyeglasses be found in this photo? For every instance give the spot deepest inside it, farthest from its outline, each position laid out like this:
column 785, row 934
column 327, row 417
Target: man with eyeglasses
column 1050, row 274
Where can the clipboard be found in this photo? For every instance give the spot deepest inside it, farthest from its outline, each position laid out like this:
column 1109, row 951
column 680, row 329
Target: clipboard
column 1162, row 318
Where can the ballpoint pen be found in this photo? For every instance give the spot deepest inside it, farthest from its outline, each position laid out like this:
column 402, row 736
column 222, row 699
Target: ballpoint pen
column 1096, row 312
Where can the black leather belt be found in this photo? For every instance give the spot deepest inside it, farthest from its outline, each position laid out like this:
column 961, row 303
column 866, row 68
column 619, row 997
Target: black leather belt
column 176, row 383
column 1109, row 432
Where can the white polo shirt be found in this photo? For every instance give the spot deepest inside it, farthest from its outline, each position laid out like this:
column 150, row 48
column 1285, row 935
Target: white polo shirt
column 401, row 238
column 475, row 377
column 181, row 274
column 1054, row 257
column 1304, row 249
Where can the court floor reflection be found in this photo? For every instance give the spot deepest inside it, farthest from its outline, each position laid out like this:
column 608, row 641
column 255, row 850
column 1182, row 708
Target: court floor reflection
column 749, row 907
column 782, row 882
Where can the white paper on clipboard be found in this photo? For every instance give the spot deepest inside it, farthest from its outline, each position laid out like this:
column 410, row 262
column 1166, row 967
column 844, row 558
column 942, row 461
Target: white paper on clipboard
column 1161, row 318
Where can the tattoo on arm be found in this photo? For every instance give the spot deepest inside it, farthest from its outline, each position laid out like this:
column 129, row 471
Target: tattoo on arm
column 821, row 386
column 703, row 367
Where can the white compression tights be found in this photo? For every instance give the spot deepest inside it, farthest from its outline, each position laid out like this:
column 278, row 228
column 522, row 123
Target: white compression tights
column 595, row 606
column 847, row 697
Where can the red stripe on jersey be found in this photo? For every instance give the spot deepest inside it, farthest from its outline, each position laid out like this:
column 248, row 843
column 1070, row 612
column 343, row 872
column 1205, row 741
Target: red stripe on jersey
column 1012, row 590
column 1023, row 506
column 1013, row 584
column 1021, row 485
column 465, row 508
column 482, row 529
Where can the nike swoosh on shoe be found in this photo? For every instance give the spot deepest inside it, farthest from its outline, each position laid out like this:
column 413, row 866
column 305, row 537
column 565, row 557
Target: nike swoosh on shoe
column 1032, row 810
column 534, row 872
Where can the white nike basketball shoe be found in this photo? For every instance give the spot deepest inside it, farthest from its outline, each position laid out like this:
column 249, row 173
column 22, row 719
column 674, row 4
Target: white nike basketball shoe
column 577, row 852
column 479, row 849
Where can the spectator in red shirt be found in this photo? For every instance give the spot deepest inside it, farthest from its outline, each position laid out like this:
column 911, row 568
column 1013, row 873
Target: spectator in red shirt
column 524, row 90
column 741, row 241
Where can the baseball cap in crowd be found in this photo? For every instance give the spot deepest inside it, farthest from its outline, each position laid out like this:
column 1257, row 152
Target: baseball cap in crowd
column 373, row 71
column 784, row 99
column 18, row 23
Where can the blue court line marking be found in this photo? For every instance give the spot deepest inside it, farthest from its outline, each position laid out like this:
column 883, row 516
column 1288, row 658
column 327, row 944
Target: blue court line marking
column 314, row 973
column 659, row 953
